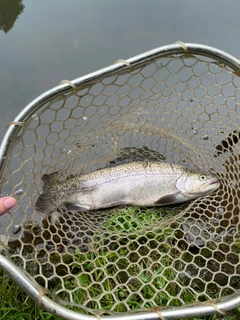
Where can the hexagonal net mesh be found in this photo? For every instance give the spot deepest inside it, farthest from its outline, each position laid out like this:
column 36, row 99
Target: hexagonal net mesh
column 172, row 109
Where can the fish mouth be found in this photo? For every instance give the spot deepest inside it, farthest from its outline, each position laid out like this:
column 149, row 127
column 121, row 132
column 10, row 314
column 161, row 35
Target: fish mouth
column 215, row 182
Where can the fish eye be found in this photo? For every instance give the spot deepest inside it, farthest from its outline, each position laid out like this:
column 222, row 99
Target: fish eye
column 202, row 178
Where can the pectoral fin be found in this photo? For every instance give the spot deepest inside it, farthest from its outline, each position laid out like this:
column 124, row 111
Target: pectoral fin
column 171, row 198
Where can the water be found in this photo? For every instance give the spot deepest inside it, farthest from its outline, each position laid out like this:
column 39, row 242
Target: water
column 44, row 42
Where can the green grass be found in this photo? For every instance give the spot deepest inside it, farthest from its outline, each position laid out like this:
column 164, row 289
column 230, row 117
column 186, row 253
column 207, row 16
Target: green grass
column 104, row 266
column 131, row 219
column 116, row 253
column 15, row 304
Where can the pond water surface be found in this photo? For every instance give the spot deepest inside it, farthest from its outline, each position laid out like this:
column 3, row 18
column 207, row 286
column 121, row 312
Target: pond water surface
column 44, row 42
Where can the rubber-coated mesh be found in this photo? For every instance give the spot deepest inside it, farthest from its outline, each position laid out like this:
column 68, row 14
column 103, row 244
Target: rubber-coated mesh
column 174, row 109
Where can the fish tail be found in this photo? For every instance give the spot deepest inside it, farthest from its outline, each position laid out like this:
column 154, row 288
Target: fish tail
column 45, row 201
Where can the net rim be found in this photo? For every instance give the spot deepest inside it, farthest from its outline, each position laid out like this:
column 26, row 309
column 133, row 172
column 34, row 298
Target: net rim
column 25, row 282
column 176, row 48
column 203, row 309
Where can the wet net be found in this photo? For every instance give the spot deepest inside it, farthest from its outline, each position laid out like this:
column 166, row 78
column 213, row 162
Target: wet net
column 173, row 109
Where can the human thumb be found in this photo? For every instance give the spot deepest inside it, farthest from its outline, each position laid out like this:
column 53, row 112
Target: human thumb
column 6, row 203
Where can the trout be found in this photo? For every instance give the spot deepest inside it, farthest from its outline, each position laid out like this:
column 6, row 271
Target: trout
column 140, row 183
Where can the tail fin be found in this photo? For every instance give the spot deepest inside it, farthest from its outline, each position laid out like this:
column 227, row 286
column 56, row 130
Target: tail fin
column 45, row 201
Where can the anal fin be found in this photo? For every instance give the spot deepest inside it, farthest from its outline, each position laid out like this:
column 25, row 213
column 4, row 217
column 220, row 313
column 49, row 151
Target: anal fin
column 76, row 208
column 115, row 204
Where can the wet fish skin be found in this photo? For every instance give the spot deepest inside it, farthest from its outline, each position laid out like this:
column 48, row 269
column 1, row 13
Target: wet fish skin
column 139, row 183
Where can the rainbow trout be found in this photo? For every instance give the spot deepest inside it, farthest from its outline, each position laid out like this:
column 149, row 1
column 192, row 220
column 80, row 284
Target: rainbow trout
column 138, row 183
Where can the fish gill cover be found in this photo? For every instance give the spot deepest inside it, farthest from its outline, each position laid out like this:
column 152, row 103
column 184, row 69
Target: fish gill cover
column 174, row 109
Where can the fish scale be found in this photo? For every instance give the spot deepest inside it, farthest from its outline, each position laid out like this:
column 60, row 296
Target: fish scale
column 139, row 183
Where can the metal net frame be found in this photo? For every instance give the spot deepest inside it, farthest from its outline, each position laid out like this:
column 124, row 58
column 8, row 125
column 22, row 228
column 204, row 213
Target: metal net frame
column 179, row 103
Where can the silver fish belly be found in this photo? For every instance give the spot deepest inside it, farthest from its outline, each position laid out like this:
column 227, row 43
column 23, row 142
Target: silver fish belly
column 139, row 183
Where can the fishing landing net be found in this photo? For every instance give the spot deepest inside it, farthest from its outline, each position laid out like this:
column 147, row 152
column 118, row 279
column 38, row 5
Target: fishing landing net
column 177, row 104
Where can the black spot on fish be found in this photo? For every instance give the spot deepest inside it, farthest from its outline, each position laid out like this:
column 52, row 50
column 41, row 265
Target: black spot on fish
column 131, row 154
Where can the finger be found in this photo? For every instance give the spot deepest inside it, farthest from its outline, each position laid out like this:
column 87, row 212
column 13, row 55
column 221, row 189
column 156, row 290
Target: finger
column 6, row 203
